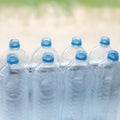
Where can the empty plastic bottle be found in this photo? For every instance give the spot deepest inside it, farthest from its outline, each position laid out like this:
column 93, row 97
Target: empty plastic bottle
column 106, row 95
column 69, row 53
column 99, row 54
column 14, row 88
column 46, row 46
column 78, row 81
column 14, row 47
column 46, row 89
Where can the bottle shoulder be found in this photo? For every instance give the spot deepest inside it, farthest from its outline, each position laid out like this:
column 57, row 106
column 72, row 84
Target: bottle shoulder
column 21, row 53
column 69, row 49
column 13, row 68
column 69, row 54
column 99, row 54
column 108, row 64
column 37, row 55
column 78, row 65
column 98, row 49
column 47, row 67
column 38, row 50
column 42, row 50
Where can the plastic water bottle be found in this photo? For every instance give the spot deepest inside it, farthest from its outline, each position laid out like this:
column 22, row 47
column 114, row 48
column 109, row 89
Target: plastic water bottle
column 14, row 90
column 14, row 47
column 99, row 54
column 113, row 66
column 46, row 89
column 106, row 95
column 78, row 81
column 1, row 97
column 46, row 46
column 69, row 53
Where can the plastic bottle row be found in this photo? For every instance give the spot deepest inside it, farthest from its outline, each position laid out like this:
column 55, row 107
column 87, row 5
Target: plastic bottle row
column 80, row 92
column 97, row 55
column 75, row 86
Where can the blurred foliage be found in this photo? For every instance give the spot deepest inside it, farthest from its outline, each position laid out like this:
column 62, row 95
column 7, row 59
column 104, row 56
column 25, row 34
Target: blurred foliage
column 64, row 3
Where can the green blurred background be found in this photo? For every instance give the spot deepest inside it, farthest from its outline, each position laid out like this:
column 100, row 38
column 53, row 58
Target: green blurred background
column 95, row 3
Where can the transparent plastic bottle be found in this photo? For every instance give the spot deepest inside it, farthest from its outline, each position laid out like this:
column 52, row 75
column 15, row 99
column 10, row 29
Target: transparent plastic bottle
column 14, row 47
column 113, row 66
column 99, row 54
column 1, row 97
column 46, row 46
column 106, row 94
column 78, row 81
column 69, row 53
column 46, row 93
column 15, row 92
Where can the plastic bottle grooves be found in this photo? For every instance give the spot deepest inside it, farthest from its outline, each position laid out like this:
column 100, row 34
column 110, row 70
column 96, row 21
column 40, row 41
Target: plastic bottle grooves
column 46, row 99
column 15, row 97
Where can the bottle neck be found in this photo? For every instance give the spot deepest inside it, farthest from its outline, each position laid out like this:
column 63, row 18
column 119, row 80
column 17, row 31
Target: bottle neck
column 46, row 47
column 15, row 67
column 74, row 46
column 14, row 48
column 48, row 64
column 111, row 61
column 104, row 46
column 81, row 62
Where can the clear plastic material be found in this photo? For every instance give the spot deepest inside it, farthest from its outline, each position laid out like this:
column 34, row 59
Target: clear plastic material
column 114, row 91
column 14, row 47
column 99, row 54
column 14, row 89
column 46, row 90
column 46, row 46
column 106, row 92
column 69, row 53
column 1, row 97
column 78, row 82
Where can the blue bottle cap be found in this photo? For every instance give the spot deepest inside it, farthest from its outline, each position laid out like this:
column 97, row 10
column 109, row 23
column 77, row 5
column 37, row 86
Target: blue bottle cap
column 12, row 59
column 48, row 58
column 14, row 43
column 76, row 41
column 46, row 42
column 113, row 55
column 81, row 55
column 105, row 41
